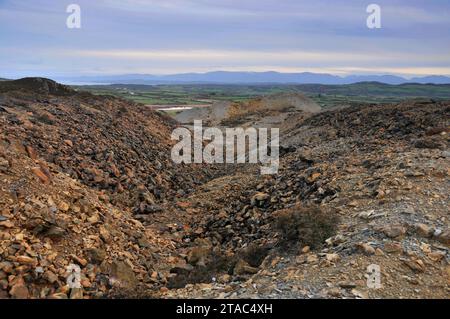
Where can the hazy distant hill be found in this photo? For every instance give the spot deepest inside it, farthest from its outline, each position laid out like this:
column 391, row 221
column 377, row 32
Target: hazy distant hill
column 436, row 79
column 380, row 89
column 222, row 77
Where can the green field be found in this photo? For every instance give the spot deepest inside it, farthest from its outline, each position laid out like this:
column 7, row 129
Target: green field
column 324, row 95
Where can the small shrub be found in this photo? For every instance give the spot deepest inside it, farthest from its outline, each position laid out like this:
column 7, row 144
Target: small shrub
column 218, row 264
column 254, row 254
column 306, row 226
column 44, row 118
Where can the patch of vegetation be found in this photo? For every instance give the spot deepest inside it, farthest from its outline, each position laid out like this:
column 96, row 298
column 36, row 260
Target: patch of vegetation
column 201, row 274
column 218, row 264
column 254, row 255
column 306, row 226
column 43, row 118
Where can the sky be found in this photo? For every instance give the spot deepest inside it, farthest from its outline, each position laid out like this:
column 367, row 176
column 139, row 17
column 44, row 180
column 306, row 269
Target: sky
column 178, row 36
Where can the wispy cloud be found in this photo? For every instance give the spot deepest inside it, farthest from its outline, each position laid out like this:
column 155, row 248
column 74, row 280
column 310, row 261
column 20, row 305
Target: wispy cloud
column 241, row 55
column 180, row 7
column 167, row 36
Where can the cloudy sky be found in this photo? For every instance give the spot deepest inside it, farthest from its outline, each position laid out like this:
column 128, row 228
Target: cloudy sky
column 174, row 36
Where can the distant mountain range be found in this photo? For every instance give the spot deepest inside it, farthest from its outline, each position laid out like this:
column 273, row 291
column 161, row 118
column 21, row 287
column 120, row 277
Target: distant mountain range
column 222, row 77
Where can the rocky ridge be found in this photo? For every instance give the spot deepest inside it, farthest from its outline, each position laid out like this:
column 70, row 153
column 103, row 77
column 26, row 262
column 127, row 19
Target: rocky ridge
column 384, row 170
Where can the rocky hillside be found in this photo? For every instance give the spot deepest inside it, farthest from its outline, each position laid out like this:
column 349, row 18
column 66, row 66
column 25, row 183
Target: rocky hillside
column 109, row 144
column 35, row 86
column 78, row 172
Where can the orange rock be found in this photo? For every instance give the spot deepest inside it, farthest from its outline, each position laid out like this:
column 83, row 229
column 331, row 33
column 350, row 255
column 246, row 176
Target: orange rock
column 367, row 248
column 80, row 261
column 314, row 177
column 393, row 247
column 41, row 175
column 306, row 249
column 19, row 291
column 26, row 260
column 394, row 231
column 415, row 265
column 31, row 152
column 44, row 168
column 68, row 143
column 444, row 237
column 183, row 204
column 436, row 256
column 6, row 224
column 115, row 170
column 164, row 289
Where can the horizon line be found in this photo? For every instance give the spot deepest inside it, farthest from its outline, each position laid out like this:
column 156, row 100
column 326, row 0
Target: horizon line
column 336, row 74
column 341, row 76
